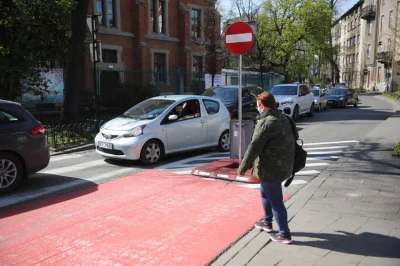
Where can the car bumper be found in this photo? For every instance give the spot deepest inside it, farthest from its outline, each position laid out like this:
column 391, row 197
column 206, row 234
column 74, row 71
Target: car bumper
column 38, row 159
column 122, row 148
column 286, row 109
column 335, row 103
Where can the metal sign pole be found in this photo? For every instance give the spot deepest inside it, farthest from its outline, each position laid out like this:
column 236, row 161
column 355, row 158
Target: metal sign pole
column 240, row 108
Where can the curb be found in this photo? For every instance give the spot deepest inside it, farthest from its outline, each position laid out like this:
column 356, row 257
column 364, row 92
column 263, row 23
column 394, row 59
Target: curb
column 86, row 147
column 396, row 104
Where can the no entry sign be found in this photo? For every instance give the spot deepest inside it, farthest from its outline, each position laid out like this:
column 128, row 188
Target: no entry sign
column 239, row 38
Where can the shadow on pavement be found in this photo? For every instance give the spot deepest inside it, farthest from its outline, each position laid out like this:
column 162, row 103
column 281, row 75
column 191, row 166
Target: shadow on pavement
column 366, row 244
column 42, row 190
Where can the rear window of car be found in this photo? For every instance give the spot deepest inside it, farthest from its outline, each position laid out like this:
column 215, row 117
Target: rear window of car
column 212, row 107
column 284, row 90
column 315, row 92
column 7, row 117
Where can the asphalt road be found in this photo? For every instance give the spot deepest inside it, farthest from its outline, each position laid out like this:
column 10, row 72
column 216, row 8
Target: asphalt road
column 327, row 136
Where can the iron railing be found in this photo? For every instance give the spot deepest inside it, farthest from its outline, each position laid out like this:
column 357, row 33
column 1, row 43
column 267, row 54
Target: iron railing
column 70, row 135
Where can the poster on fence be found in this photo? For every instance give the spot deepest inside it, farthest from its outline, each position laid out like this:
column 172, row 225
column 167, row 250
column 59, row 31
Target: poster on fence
column 55, row 94
column 217, row 80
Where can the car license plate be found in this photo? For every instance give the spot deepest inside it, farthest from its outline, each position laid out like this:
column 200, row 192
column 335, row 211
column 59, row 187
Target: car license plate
column 105, row 145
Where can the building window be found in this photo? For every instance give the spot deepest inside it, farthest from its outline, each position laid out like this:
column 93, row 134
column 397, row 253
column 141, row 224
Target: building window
column 369, row 51
column 382, row 21
column 358, row 38
column 158, row 10
column 160, row 67
column 197, row 64
column 195, row 23
column 357, row 57
column 390, row 19
column 109, row 56
column 370, row 28
column 389, row 45
column 108, row 9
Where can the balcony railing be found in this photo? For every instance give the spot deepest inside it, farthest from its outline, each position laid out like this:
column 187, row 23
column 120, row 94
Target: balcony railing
column 384, row 57
column 368, row 12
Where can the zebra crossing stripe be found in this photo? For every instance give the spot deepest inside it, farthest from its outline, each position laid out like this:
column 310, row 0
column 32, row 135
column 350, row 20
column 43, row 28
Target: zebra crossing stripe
column 64, row 157
column 73, row 168
column 327, row 148
column 331, row 142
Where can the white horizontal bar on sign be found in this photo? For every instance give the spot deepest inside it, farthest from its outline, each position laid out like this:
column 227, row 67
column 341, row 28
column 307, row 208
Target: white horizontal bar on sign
column 327, row 148
column 332, row 142
column 241, row 37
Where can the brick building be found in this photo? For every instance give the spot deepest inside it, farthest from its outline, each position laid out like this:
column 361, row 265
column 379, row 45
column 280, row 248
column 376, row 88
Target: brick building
column 154, row 42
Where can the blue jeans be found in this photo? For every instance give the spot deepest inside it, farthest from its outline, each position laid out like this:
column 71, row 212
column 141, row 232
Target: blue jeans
column 272, row 201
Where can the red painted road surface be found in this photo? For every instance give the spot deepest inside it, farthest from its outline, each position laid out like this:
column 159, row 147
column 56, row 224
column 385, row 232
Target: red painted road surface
column 150, row 218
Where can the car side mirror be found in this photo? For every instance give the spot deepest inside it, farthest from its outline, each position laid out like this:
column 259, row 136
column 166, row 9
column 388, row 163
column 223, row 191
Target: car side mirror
column 172, row 117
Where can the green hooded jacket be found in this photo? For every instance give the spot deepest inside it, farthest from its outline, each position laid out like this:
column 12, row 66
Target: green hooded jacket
column 272, row 148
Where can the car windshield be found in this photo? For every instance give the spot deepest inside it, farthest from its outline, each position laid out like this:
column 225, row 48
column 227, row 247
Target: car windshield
column 315, row 92
column 226, row 95
column 148, row 110
column 337, row 92
column 284, row 90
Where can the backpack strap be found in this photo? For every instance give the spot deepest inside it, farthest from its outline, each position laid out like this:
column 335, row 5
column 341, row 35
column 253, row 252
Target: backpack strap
column 296, row 137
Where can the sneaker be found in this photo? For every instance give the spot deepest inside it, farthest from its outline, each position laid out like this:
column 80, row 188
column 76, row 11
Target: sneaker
column 280, row 238
column 267, row 227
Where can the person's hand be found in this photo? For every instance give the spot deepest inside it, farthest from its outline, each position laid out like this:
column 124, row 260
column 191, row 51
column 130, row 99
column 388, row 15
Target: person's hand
column 239, row 173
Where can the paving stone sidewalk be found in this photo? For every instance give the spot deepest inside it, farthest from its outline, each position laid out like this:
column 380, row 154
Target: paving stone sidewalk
column 348, row 215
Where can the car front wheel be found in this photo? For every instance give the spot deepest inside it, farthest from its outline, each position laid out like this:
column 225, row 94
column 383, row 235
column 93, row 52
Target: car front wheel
column 296, row 113
column 11, row 172
column 151, row 153
column 224, row 142
column 311, row 112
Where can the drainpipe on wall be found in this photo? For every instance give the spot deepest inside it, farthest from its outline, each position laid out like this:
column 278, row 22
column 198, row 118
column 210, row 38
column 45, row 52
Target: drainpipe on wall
column 377, row 26
column 394, row 47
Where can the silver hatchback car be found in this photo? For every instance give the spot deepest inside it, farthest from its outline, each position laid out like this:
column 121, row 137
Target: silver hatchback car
column 164, row 125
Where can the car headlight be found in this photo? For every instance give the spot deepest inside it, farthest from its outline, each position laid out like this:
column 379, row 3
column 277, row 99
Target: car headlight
column 137, row 131
column 341, row 98
column 287, row 103
column 315, row 101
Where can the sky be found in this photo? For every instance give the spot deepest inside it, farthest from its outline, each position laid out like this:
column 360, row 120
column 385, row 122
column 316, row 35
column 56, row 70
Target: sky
column 343, row 5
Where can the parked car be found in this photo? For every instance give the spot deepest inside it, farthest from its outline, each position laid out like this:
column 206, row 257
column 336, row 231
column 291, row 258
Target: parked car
column 164, row 125
column 23, row 145
column 341, row 97
column 229, row 96
column 320, row 100
column 294, row 99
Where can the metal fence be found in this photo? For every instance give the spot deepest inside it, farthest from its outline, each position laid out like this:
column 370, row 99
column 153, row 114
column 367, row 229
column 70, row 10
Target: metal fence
column 70, row 135
column 264, row 80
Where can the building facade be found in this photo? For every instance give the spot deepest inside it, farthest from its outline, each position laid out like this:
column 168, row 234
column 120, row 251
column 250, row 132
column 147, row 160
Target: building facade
column 367, row 39
column 151, row 42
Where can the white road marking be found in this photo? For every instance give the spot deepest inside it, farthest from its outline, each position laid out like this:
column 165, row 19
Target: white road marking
column 181, row 162
column 308, row 172
column 183, row 172
column 327, row 148
column 320, row 158
column 316, row 164
column 297, row 182
column 331, row 142
column 324, row 152
column 73, row 168
column 64, row 157
column 20, row 197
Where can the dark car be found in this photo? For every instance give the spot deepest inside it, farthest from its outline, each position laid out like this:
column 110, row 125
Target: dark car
column 229, row 96
column 23, row 145
column 341, row 97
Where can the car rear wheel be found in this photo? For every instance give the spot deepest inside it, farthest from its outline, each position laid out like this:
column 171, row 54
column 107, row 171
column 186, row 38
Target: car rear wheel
column 11, row 172
column 345, row 104
column 152, row 152
column 296, row 113
column 224, row 142
column 319, row 108
column 312, row 110
column 355, row 102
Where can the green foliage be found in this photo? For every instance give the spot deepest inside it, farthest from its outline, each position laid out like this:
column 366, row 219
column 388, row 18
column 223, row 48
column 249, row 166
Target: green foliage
column 396, row 150
column 293, row 32
column 33, row 36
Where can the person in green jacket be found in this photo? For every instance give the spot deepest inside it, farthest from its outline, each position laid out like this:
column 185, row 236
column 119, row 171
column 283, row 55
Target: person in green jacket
column 271, row 154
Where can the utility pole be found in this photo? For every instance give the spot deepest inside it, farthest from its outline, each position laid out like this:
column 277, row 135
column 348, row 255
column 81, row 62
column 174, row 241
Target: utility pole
column 93, row 22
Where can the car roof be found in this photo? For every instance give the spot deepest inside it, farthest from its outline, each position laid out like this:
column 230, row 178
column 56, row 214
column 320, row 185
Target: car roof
column 182, row 97
column 9, row 102
column 234, row 86
column 288, row 84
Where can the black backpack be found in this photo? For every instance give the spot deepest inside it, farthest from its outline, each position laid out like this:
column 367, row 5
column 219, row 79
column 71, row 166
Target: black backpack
column 300, row 155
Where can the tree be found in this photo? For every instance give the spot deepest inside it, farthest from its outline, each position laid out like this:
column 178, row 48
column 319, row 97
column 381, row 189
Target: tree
column 74, row 74
column 294, row 31
column 213, row 39
column 33, row 38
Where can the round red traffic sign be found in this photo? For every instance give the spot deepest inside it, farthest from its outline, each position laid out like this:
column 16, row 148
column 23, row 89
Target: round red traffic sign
column 239, row 38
